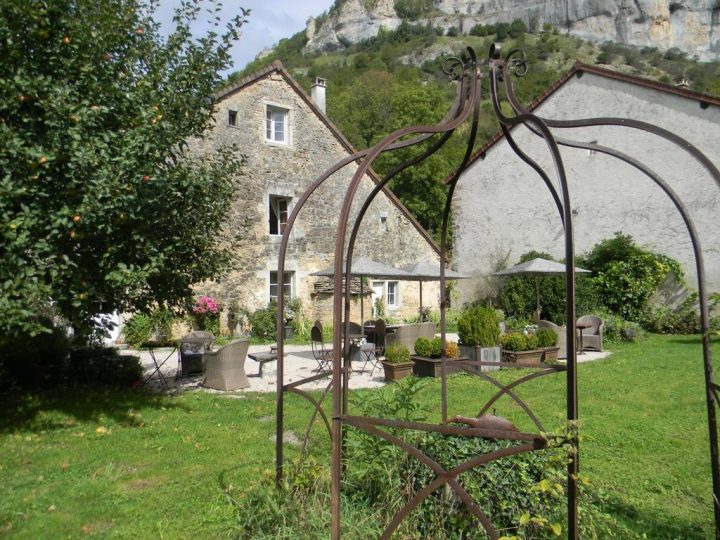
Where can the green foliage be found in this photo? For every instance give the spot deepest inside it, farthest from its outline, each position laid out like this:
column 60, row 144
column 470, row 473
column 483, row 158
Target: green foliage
column 531, row 342
column 142, row 327
column 546, row 337
column 514, row 341
column 413, row 9
column 681, row 319
column 479, row 326
column 625, row 275
column 37, row 362
column 436, row 347
column 397, row 353
column 423, row 347
column 380, row 308
column 617, row 329
column 453, row 31
column 263, row 323
column 105, row 208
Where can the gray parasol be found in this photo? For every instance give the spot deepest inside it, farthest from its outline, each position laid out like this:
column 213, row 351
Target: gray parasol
column 426, row 271
column 537, row 267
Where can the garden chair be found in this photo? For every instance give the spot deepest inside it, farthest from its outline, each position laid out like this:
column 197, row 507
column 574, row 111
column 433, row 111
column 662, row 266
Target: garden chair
column 225, row 368
column 561, row 334
column 592, row 337
column 323, row 355
column 190, row 352
column 374, row 352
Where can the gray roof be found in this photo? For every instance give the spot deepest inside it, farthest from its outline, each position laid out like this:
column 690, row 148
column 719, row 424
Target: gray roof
column 427, row 271
column 536, row 267
column 362, row 266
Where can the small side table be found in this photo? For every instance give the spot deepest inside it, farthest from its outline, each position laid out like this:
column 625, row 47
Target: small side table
column 579, row 327
column 262, row 358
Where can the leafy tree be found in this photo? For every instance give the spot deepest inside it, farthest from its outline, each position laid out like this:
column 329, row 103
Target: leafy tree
column 104, row 209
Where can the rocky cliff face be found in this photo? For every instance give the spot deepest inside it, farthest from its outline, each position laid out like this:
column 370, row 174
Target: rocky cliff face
column 690, row 25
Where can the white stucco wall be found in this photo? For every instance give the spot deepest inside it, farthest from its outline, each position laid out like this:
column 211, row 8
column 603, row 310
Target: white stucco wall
column 503, row 209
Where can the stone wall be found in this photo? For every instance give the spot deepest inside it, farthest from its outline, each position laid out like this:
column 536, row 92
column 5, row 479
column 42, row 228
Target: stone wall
column 387, row 234
column 503, row 209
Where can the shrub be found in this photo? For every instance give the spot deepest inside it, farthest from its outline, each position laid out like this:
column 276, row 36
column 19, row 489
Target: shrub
column 478, row 326
column 397, row 353
column 452, row 350
column 515, row 341
column 681, row 319
column 37, row 362
column 617, row 329
column 413, row 9
column 531, row 342
column 546, row 337
column 263, row 323
column 138, row 329
column 423, row 347
column 436, row 344
column 453, row 31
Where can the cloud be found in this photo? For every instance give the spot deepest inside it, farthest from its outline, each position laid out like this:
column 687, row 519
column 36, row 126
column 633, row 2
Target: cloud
column 269, row 22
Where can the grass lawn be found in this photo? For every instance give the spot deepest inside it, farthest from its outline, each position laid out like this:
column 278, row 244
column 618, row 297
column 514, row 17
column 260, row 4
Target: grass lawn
column 126, row 464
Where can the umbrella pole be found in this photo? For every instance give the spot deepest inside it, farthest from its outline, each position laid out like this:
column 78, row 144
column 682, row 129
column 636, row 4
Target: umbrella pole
column 421, row 310
column 362, row 300
column 537, row 294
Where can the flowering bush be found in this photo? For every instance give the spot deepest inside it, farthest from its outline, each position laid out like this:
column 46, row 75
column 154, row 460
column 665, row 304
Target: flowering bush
column 205, row 304
column 205, row 311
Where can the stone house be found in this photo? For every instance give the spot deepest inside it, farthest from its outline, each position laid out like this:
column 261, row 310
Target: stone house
column 289, row 141
column 502, row 209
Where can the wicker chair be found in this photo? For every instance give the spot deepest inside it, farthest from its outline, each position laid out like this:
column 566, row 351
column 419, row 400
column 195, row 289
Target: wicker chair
column 190, row 351
column 561, row 332
column 592, row 337
column 407, row 334
column 225, row 368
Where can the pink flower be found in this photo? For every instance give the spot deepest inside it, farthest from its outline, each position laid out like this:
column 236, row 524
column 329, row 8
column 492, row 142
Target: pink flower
column 205, row 304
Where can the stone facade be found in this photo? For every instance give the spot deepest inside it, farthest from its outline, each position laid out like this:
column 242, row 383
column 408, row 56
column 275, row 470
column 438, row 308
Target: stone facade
column 285, row 169
column 502, row 209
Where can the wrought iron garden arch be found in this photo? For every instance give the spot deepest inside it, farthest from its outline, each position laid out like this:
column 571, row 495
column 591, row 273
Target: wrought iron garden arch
column 466, row 71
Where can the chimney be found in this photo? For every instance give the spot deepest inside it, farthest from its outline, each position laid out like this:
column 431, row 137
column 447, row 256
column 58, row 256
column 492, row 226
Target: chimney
column 317, row 93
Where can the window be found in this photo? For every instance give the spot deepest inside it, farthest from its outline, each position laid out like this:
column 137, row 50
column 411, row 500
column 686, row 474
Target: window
column 276, row 124
column 287, row 285
column 392, row 294
column 278, row 213
column 232, row 118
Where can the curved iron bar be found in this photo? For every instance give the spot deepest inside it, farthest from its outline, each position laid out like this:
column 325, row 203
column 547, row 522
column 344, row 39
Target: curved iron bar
column 281, row 269
column 443, row 476
column 337, row 284
column 711, row 396
column 366, row 206
column 507, row 389
column 443, row 242
column 317, row 403
column 498, row 65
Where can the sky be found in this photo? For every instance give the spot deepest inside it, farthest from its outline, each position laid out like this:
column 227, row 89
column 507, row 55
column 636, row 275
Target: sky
column 268, row 23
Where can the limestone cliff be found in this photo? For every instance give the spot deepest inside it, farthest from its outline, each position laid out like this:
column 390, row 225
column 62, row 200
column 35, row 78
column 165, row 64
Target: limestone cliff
column 690, row 25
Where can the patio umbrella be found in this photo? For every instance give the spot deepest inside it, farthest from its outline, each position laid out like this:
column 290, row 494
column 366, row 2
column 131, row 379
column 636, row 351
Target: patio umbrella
column 538, row 267
column 365, row 267
column 426, row 271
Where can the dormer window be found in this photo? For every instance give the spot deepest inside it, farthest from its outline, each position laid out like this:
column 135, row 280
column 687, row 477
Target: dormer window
column 276, row 125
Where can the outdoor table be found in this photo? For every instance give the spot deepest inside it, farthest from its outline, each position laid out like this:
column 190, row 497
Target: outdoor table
column 263, row 358
column 158, row 366
column 579, row 327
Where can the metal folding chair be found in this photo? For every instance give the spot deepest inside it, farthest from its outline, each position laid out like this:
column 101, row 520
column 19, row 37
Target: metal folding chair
column 323, row 356
column 375, row 352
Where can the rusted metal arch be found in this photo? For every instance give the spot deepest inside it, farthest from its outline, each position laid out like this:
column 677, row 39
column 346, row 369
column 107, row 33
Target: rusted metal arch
column 317, row 404
column 281, row 268
column 337, row 285
column 498, row 70
column 711, row 388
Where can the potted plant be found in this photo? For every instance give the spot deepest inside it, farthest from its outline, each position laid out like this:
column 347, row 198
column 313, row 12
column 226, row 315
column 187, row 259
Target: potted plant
column 479, row 332
column 397, row 362
column 428, row 357
column 547, row 341
column 522, row 349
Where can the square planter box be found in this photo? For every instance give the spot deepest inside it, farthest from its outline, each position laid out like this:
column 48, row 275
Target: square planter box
column 432, row 367
column 535, row 357
column 482, row 354
column 394, row 372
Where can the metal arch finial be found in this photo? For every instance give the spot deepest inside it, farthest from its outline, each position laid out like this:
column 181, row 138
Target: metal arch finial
column 495, row 50
column 516, row 62
column 455, row 67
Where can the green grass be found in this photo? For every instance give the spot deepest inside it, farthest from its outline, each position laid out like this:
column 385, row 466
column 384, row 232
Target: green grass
column 126, row 464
